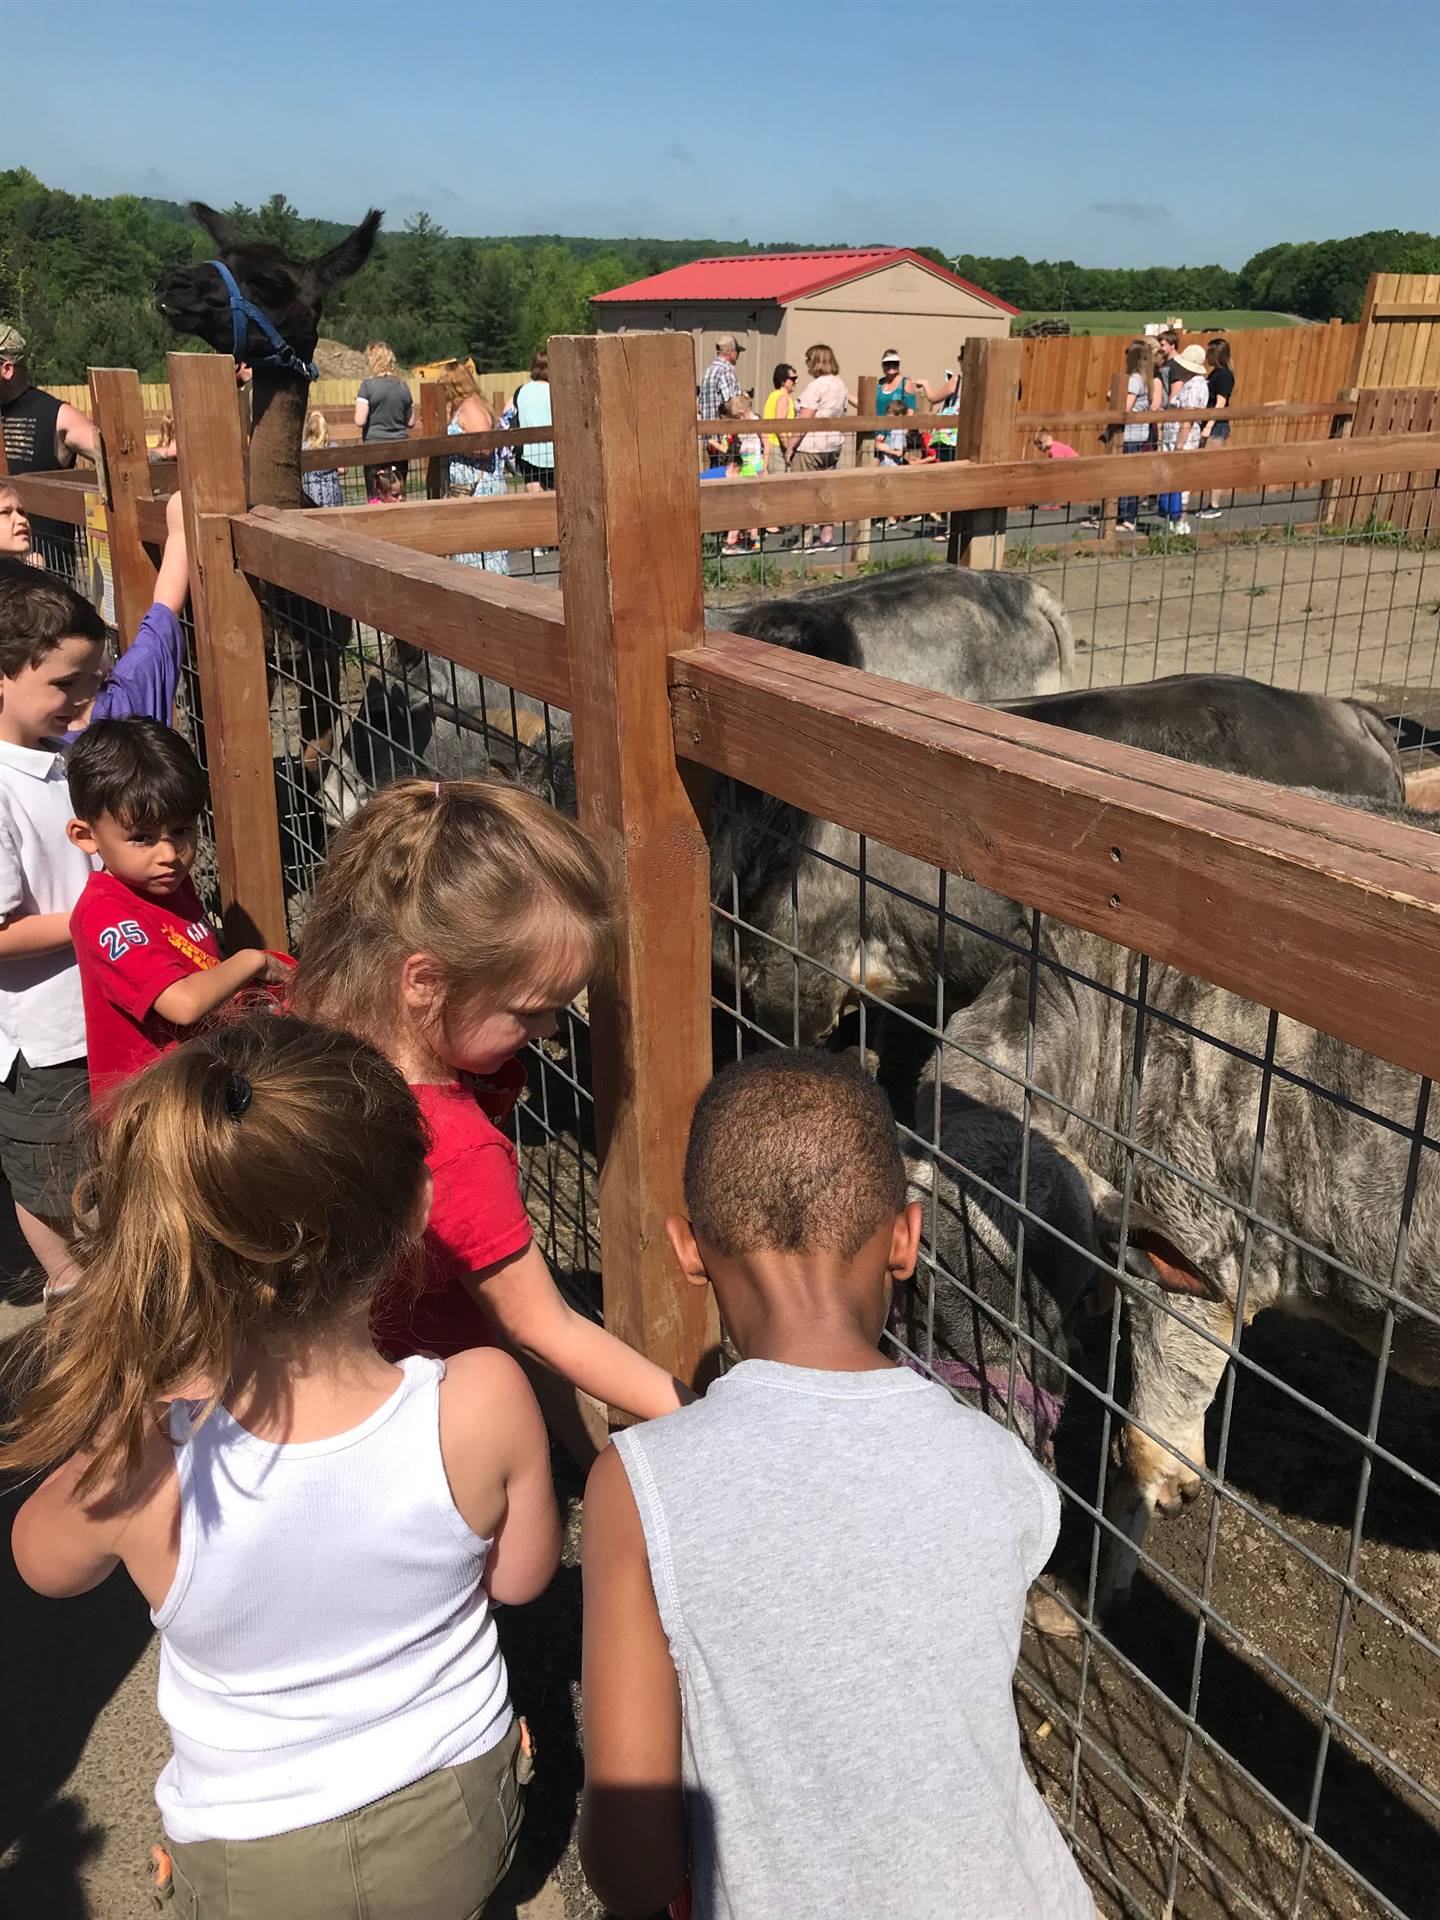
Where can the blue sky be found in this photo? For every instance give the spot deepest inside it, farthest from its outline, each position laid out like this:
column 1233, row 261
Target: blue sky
column 986, row 128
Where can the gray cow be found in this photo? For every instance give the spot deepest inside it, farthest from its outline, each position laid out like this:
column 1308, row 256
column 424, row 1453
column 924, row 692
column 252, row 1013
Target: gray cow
column 792, row 876
column 1326, row 1195
column 980, row 636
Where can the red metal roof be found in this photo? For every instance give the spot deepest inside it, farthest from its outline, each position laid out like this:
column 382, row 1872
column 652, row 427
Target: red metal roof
column 775, row 279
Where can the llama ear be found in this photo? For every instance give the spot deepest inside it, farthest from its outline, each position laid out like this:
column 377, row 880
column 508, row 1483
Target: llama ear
column 349, row 254
column 1151, row 1252
column 226, row 235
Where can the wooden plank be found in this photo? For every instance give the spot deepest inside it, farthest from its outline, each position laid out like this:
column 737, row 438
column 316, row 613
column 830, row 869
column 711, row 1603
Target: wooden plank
column 150, row 521
column 497, row 523
column 790, row 499
column 1405, row 310
column 511, row 630
column 528, row 520
column 422, row 447
column 984, row 431
column 630, row 559
column 230, row 653
column 1351, row 904
column 56, row 496
column 119, row 416
column 434, row 416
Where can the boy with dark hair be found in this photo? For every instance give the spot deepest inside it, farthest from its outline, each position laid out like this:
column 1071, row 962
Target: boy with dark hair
column 804, row 1594
column 150, row 965
column 52, row 683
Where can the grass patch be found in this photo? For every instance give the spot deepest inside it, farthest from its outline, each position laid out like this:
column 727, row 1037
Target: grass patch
column 1158, row 541
column 1255, row 592
column 1373, row 532
column 1206, row 320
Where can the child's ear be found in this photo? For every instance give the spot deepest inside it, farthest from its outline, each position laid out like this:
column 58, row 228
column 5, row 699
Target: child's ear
column 684, row 1246
column 80, row 835
column 420, row 985
column 905, row 1241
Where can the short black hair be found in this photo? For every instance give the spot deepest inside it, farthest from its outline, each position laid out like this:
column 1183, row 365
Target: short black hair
column 792, row 1152
column 138, row 771
column 783, row 372
column 37, row 611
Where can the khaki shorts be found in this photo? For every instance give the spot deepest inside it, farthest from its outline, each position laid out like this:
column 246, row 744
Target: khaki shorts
column 804, row 462
column 41, row 1110
column 432, row 1851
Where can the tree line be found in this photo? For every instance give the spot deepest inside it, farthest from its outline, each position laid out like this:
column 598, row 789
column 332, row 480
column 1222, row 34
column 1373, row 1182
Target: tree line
column 1316, row 279
column 77, row 275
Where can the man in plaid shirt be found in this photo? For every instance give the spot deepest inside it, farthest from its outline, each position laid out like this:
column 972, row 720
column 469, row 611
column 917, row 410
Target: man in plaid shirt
column 720, row 380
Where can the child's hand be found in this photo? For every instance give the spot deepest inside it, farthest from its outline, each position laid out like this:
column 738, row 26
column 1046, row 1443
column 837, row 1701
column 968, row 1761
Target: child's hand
column 278, row 969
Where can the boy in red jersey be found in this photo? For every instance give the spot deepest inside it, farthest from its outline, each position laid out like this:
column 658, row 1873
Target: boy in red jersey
column 150, row 965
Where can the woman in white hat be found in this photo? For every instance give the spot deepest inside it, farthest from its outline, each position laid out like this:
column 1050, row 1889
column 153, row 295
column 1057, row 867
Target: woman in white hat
column 1193, row 390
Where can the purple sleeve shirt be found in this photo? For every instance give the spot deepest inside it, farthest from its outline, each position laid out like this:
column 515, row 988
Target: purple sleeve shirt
column 144, row 678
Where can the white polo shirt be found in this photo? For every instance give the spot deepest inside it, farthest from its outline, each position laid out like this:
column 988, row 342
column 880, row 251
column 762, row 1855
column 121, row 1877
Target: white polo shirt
column 41, row 1012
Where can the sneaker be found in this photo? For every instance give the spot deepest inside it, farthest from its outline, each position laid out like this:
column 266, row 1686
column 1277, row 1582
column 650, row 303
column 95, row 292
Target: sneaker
column 1124, row 526
column 1210, row 513
column 1089, row 521
column 1181, row 526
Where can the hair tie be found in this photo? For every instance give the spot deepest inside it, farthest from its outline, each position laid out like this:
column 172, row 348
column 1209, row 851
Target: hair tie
column 238, row 1095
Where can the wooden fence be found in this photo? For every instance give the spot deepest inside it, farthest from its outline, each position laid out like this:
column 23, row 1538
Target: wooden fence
column 1294, row 365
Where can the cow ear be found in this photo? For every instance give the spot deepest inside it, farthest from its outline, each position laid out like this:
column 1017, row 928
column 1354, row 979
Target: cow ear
column 1151, row 1253
column 348, row 255
column 226, row 235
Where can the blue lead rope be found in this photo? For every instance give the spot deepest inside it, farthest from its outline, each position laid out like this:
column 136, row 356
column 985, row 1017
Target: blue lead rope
column 284, row 355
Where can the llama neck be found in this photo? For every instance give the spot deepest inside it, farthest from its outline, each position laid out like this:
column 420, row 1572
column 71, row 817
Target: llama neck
column 278, row 426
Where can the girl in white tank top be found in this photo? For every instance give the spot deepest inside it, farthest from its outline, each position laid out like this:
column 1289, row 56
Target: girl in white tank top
column 320, row 1534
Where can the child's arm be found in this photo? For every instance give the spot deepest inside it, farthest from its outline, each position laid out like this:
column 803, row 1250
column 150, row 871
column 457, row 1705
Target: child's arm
column 188, row 1000
column 172, row 582
column 489, row 1424
column 632, row 1816
column 62, row 1548
column 34, row 933
column 144, row 678
column 521, row 1297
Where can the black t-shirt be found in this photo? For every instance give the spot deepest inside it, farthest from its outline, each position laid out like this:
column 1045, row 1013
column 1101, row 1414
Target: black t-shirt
column 30, row 423
column 1170, row 371
column 1222, row 385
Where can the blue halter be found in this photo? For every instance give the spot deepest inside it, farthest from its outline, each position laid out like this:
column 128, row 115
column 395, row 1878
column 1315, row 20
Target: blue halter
column 284, row 355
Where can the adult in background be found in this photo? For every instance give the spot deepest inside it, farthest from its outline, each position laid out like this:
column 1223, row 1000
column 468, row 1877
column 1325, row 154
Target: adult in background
column 384, row 408
column 946, row 398
column 779, row 405
column 1142, row 395
column 42, row 433
column 532, row 409
column 825, row 398
column 1191, row 390
column 473, row 475
column 1167, row 369
column 894, row 385
column 719, row 382
column 1220, row 376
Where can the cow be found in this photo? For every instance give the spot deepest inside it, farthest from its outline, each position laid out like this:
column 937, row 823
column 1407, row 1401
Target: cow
column 792, row 877
column 1309, row 1225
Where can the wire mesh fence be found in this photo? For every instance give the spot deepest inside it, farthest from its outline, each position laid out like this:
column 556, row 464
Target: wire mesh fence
column 1288, row 584
column 352, row 709
column 1238, row 1713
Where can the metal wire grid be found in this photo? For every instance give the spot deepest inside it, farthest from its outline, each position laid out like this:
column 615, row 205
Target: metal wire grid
column 62, row 551
column 1273, row 589
column 190, row 723
column 353, row 709
column 1200, row 1752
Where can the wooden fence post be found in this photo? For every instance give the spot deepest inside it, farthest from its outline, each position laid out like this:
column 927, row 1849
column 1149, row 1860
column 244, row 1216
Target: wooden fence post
column 120, row 419
column 864, row 454
column 984, row 428
column 229, row 652
column 629, row 520
column 1114, row 437
column 434, row 418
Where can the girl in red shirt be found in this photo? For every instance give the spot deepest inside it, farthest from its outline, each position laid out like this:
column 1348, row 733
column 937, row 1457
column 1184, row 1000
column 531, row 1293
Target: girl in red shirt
column 450, row 926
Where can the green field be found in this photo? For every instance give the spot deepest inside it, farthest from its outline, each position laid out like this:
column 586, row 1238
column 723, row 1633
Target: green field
column 1197, row 320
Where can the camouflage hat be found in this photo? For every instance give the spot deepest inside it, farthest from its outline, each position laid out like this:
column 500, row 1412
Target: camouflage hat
column 12, row 342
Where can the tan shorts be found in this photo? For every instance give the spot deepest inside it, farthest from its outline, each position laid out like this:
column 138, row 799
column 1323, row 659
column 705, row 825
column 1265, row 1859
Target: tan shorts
column 804, row 462
column 431, row 1851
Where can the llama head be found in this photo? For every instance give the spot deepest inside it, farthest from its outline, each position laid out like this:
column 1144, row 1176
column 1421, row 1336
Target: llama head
column 290, row 293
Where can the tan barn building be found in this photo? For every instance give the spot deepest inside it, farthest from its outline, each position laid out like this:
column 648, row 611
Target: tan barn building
column 857, row 300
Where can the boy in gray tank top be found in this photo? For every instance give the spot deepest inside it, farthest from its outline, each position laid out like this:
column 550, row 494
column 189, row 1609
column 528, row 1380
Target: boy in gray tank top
column 804, row 1594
